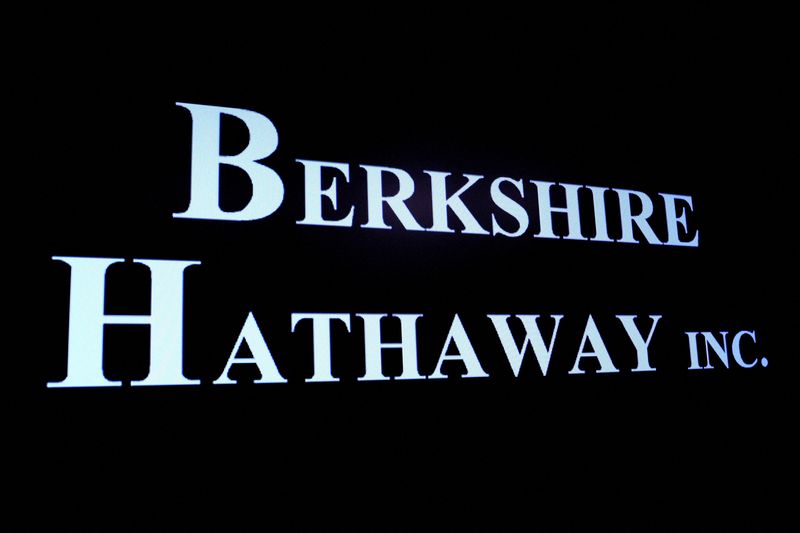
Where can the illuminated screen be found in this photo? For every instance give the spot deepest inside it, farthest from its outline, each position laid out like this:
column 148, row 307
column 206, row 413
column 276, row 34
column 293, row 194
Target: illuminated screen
column 393, row 295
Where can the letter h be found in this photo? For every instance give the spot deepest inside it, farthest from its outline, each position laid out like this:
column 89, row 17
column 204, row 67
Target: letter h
column 87, row 319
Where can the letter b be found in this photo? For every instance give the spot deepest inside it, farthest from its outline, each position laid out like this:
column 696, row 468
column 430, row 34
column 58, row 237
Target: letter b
column 206, row 160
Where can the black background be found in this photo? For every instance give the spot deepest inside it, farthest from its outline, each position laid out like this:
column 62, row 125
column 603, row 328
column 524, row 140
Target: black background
column 692, row 104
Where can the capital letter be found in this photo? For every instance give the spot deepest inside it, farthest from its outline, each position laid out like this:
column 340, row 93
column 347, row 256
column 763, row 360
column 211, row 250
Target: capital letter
column 206, row 159
column 600, row 352
column 261, row 355
column 737, row 351
column 376, row 198
column 546, row 210
column 533, row 337
column 373, row 346
column 321, row 329
column 600, row 222
column 627, row 218
column 694, row 358
column 315, row 192
column 509, row 206
column 466, row 353
column 440, row 202
column 642, row 357
column 87, row 319
column 720, row 348
column 674, row 220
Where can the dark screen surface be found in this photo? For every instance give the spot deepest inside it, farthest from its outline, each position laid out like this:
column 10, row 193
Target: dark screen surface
column 683, row 110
